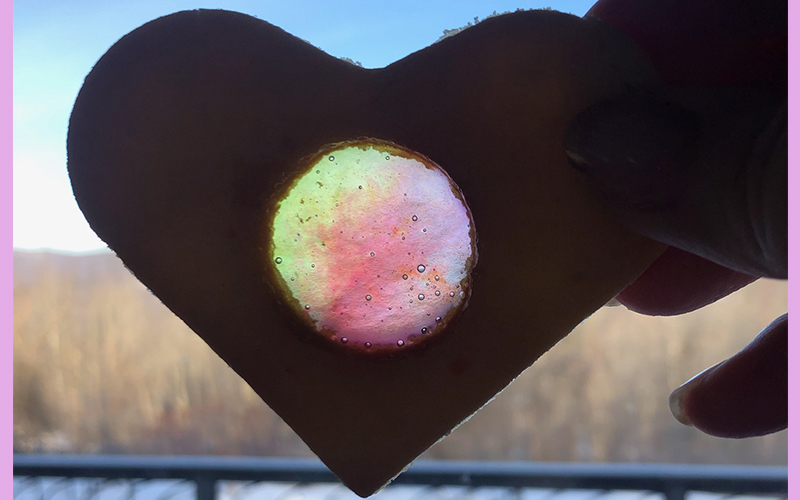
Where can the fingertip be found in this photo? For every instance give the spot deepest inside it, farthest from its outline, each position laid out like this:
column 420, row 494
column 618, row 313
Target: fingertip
column 679, row 282
column 677, row 406
column 744, row 396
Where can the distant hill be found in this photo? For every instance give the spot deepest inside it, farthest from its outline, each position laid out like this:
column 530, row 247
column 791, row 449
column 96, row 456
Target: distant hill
column 31, row 265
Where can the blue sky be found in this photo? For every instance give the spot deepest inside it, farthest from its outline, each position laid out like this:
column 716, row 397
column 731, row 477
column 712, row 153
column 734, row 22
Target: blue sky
column 57, row 42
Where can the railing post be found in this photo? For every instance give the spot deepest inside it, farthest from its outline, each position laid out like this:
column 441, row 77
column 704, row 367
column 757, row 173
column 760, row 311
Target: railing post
column 675, row 493
column 206, row 488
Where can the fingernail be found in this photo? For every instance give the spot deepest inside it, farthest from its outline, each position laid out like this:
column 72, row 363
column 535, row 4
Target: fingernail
column 633, row 148
column 677, row 400
column 676, row 406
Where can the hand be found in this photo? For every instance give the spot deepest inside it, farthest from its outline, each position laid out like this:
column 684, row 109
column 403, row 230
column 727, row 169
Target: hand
column 702, row 168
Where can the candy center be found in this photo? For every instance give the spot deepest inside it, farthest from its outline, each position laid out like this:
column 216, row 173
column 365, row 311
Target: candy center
column 373, row 245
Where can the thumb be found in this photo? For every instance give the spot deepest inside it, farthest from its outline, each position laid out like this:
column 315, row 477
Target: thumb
column 701, row 169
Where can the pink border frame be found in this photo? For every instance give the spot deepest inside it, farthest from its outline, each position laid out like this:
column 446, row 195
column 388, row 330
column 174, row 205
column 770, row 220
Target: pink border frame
column 6, row 274
column 6, row 301
column 794, row 245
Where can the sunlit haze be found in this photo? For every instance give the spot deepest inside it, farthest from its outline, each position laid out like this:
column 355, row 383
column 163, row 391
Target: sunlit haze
column 57, row 43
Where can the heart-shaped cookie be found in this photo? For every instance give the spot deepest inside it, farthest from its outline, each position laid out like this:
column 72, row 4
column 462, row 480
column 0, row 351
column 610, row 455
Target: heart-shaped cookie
column 190, row 131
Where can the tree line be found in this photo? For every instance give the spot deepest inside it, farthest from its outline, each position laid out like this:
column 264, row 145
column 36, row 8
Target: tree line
column 101, row 366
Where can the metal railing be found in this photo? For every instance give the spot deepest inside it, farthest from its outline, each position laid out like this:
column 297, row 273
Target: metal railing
column 671, row 480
